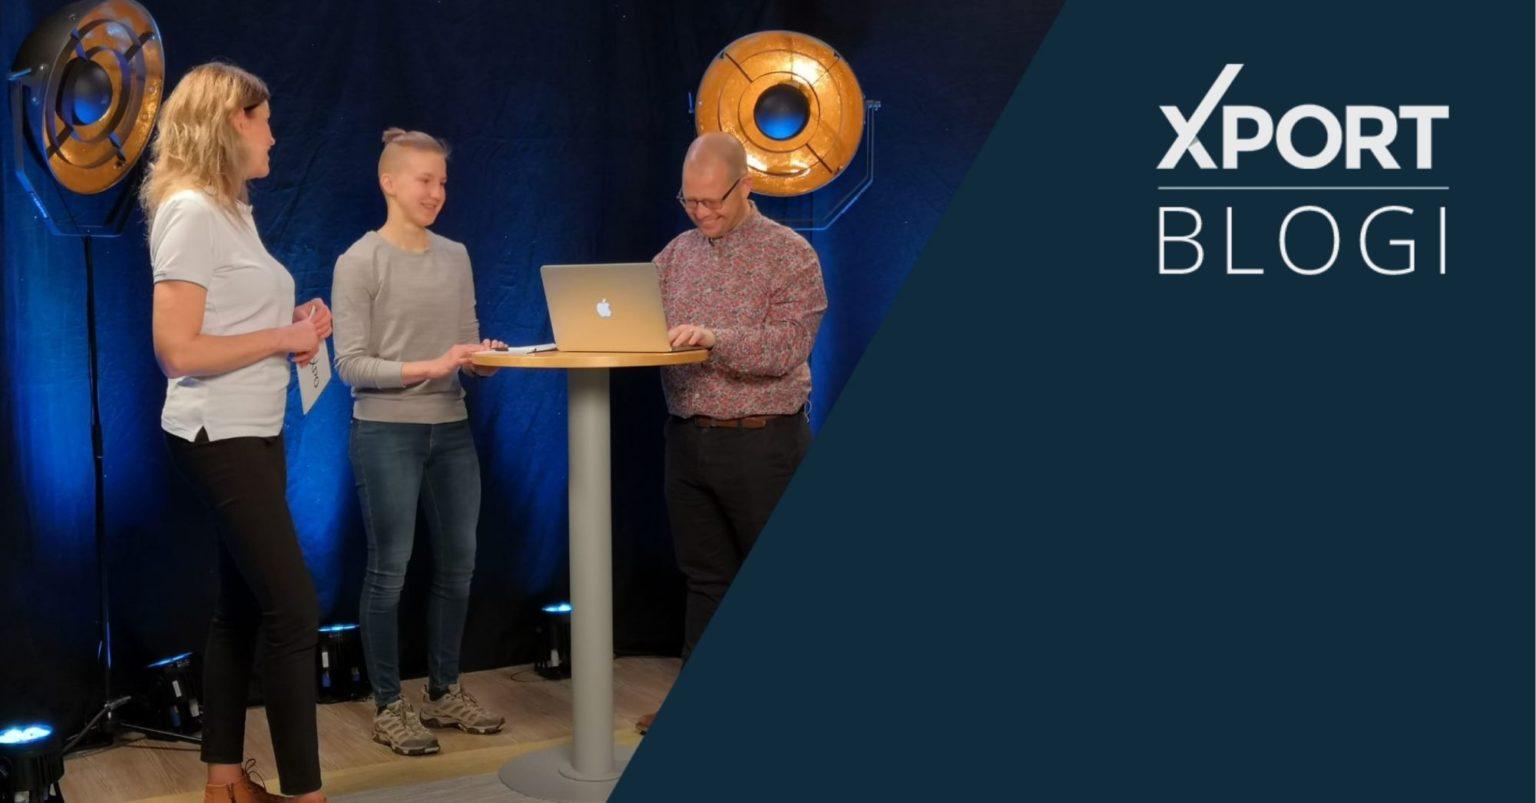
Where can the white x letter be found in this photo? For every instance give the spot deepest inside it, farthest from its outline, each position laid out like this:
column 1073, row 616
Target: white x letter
column 1188, row 131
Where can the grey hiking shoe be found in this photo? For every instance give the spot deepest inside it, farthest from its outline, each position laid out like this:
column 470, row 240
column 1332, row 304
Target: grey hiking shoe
column 459, row 709
column 399, row 728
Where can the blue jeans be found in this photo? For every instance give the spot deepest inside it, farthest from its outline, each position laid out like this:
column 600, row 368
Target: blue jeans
column 397, row 466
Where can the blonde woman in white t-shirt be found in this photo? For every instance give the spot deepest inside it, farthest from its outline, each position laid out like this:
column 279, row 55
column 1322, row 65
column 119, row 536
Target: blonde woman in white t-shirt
column 225, row 326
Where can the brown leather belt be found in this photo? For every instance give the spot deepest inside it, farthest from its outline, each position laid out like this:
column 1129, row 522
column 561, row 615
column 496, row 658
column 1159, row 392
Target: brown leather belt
column 749, row 422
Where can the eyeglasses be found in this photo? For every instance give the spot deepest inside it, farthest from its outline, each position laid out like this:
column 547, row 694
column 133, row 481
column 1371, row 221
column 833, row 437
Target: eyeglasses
column 712, row 205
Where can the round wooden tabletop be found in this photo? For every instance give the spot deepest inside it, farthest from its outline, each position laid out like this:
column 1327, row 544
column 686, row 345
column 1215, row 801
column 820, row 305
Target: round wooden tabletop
column 590, row 359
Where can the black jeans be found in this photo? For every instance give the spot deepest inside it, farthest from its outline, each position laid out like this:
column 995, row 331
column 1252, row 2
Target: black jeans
column 722, row 484
column 264, row 588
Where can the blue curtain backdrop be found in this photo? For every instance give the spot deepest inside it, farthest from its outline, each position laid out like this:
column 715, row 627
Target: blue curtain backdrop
column 568, row 121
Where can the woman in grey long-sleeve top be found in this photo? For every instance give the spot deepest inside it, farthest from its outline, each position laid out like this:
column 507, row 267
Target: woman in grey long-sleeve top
column 404, row 307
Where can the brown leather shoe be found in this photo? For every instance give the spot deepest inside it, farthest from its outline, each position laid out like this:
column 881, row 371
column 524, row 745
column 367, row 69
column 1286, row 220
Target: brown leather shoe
column 244, row 790
column 645, row 722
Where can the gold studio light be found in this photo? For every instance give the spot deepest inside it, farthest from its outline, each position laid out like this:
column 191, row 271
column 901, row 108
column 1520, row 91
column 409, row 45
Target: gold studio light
column 90, row 79
column 792, row 101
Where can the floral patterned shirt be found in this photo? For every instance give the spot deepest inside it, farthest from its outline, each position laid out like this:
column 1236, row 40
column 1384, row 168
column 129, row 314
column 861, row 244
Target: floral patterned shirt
column 759, row 289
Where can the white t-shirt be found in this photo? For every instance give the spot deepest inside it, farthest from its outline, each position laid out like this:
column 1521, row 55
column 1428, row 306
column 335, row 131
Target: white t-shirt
column 193, row 240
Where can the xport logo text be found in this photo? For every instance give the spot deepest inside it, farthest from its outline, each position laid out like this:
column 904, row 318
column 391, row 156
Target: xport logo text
column 1379, row 147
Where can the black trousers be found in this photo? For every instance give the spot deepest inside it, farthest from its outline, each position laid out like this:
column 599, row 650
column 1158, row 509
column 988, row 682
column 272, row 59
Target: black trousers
column 722, row 484
column 264, row 589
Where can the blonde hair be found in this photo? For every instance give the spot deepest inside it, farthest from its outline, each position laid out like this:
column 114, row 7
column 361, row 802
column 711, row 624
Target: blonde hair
column 396, row 138
column 196, row 145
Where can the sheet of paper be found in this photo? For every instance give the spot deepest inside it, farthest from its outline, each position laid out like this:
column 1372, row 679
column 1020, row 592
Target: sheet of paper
column 521, row 349
column 314, row 377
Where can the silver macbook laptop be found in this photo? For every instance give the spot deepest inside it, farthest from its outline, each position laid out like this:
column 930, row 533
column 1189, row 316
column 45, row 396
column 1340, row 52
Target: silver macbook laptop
column 606, row 307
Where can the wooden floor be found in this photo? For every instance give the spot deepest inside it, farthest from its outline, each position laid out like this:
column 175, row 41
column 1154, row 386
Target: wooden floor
column 538, row 713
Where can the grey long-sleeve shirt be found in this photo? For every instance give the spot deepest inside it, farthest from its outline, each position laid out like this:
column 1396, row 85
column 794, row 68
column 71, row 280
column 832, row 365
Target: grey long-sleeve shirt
column 390, row 307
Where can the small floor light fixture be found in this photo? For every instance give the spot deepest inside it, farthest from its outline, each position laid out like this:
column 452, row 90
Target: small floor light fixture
column 31, row 765
column 174, row 694
column 340, row 673
column 554, row 631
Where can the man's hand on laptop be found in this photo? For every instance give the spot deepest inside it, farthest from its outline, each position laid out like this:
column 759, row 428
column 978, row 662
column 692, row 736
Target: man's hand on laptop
column 687, row 335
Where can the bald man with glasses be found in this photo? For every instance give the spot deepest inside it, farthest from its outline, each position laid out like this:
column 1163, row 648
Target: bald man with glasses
column 750, row 291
